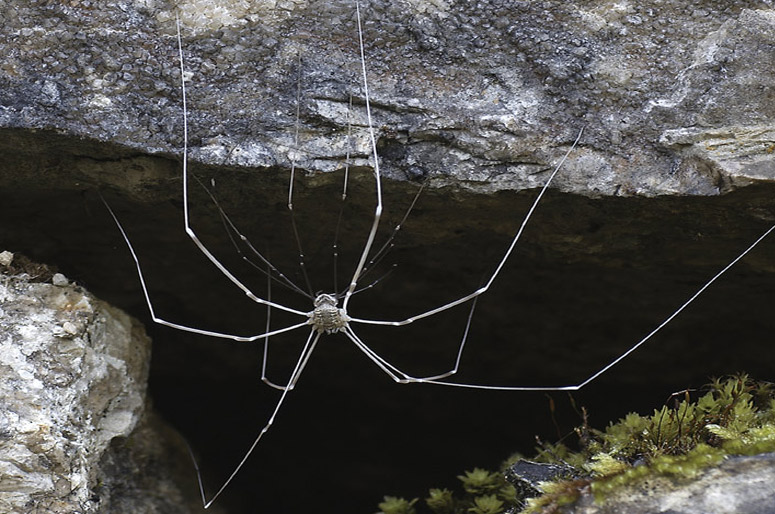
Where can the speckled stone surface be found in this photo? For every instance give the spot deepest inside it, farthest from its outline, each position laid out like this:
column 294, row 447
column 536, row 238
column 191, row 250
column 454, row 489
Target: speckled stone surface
column 75, row 435
column 675, row 97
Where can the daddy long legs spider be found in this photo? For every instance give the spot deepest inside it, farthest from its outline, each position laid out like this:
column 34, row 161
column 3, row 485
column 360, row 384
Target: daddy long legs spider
column 329, row 312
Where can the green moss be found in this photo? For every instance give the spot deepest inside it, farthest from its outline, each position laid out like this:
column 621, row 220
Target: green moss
column 489, row 504
column 735, row 416
column 555, row 494
column 682, row 466
column 441, row 501
column 480, row 481
column 394, row 505
column 751, row 442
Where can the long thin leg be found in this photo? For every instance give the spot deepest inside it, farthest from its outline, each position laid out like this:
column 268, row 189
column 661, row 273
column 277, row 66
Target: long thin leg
column 401, row 376
column 384, row 365
column 378, row 212
column 190, row 231
column 186, row 328
column 267, row 329
column 377, row 178
column 272, row 271
column 335, row 246
column 302, row 259
column 498, row 268
column 376, row 280
column 393, row 372
column 306, row 352
column 265, row 359
column 292, row 178
column 388, row 244
column 386, row 247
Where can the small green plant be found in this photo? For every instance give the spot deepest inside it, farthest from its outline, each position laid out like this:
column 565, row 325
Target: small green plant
column 556, row 494
column 489, row 504
column 480, row 481
column 441, row 501
column 393, row 505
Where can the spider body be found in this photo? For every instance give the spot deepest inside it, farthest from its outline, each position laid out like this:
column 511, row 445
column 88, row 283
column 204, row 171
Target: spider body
column 327, row 317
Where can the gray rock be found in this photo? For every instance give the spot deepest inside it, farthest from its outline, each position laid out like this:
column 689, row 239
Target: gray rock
column 738, row 485
column 526, row 476
column 482, row 95
column 72, row 398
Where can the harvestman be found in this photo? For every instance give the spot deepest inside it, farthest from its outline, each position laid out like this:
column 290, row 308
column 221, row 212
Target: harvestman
column 327, row 317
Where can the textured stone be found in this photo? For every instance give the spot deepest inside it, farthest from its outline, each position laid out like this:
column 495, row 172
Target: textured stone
column 738, row 485
column 483, row 95
column 72, row 395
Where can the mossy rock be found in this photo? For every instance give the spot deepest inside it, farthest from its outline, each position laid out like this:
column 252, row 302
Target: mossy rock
column 740, row 484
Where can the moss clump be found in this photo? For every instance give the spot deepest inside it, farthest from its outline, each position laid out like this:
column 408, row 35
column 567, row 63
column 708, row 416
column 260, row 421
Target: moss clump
column 484, row 492
column 393, row 505
column 735, row 416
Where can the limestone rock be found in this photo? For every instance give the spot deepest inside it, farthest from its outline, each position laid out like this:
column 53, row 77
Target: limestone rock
column 484, row 95
column 738, row 485
column 73, row 392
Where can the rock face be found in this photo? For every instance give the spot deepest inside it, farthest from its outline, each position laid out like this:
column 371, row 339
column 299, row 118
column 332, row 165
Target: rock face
column 477, row 100
column 72, row 399
column 675, row 98
column 740, row 484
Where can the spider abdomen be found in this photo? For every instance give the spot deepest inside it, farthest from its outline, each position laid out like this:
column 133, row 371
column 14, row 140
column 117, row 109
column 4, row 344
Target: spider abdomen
column 327, row 317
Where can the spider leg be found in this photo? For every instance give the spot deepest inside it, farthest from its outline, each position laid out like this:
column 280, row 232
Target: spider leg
column 362, row 263
column 483, row 289
column 267, row 329
column 187, row 328
column 380, row 254
column 189, row 230
column 335, row 246
column 378, row 182
column 302, row 259
column 304, row 356
column 272, row 271
column 401, row 376
column 382, row 363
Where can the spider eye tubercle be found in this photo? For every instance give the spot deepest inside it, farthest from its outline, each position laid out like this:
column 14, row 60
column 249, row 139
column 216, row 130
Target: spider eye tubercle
column 325, row 299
